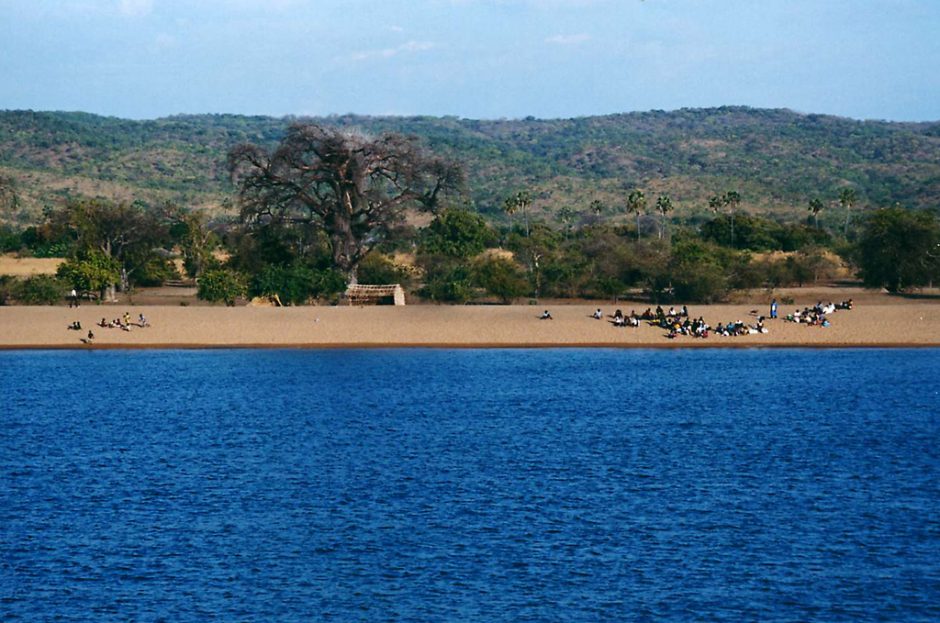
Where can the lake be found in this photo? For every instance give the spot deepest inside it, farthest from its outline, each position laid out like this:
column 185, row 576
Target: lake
column 470, row 485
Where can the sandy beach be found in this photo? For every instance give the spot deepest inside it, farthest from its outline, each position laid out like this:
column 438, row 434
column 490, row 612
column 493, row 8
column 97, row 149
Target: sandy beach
column 910, row 323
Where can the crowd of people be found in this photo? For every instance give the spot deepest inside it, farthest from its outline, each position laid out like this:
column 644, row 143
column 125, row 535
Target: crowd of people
column 678, row 322
column 817, row 315
column 122, row 322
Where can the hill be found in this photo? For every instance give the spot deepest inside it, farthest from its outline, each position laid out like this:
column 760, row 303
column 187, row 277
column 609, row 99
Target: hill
column 776, row 159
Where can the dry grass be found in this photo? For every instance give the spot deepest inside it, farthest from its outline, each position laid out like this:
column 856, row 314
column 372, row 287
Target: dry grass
column 28, row 266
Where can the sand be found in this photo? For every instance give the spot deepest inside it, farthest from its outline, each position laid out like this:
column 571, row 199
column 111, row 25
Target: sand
column 910, row 323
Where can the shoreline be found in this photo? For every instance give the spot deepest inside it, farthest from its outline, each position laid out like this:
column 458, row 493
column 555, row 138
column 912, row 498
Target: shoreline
column 465, row 346
column 908, row 325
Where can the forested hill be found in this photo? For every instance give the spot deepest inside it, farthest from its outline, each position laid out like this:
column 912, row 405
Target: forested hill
column 776, row 159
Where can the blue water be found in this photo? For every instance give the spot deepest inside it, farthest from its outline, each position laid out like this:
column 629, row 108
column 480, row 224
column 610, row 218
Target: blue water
column 470, row 485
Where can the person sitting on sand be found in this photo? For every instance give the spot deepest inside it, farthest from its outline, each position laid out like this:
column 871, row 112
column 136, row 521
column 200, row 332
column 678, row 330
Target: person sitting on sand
column 91, row 336
column 103, row 324
column 142, row 321
column 618, row 318
column 684, row 312
column 597, row 315
column 545, row 315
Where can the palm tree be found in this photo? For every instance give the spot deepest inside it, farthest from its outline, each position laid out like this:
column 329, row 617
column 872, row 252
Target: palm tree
column 847, row 199
column 663, row 205
column 566, row 215
column 732, row 199
column 816, row 206
column 636, row 202
column 716, row 202
column 523, row 200
column 510, row 207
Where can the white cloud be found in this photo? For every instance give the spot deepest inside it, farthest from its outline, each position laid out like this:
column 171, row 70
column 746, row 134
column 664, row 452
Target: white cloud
column 405, row 48
column 568, row 39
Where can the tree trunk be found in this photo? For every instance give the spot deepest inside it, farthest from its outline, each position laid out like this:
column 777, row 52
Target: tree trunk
column 346, row 250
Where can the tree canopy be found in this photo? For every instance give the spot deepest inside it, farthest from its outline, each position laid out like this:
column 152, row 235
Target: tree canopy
column 900, row 249
column 354, row 188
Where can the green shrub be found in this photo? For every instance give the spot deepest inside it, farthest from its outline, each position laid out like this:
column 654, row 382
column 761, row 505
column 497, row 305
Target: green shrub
column 40, row 290
column 446, row 281
column 456, row 233
column 500, row 277
column 295, row 284
column 379, row 269
column 92, row 273
column 8, row 285
column 222, row 284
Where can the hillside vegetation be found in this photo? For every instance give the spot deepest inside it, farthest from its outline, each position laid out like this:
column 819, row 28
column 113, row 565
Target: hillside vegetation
column 776, row 159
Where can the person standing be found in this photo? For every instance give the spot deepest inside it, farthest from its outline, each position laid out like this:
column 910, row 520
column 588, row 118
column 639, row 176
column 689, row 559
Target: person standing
column 773, row 308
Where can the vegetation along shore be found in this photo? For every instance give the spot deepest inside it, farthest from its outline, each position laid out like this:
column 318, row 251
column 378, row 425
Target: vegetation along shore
column 711, row 207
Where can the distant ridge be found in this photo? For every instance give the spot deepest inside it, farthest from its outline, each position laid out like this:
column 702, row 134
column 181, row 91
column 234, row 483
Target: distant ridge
column 777, row 159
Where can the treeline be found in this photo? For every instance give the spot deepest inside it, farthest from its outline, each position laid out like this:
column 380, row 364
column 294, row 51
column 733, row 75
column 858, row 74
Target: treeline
column 771, row 156
column 459, row 257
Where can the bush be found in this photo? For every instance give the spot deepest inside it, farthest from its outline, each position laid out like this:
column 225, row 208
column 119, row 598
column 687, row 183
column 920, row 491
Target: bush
column 93, row 273
column 500, row 277
column 457, row 233
column 40, row 290
column 295, row 284
column 8, row 286
column 154, row 272
column 221, row 284
column 378, row 269
column 446, row 280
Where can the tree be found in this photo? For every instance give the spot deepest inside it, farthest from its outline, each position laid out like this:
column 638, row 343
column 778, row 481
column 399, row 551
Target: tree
column 636, row 202
column 457, row 233
column 566, row 215
column 816, row 206
column 732, row 199
column 39, row 290
column 9, row 197
column 520, row 201
column 663, row 206
column 501, row 277
column 221, row 284
column 900, row 249
column 847, row 199
column 355, row 188
column 94, row 271
column 122, row 231
column 196, row 240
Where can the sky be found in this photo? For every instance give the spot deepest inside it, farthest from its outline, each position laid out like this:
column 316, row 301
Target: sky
column 478, row 59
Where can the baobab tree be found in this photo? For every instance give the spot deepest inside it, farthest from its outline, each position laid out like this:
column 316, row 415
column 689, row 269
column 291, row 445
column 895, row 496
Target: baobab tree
column 356, row 189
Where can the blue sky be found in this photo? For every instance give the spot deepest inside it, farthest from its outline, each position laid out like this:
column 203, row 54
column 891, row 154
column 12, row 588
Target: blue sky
column 482, row 59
